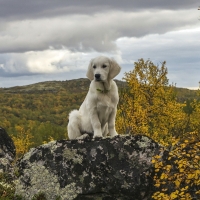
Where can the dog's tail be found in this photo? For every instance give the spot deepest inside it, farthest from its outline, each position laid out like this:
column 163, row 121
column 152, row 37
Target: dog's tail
column 74, row 125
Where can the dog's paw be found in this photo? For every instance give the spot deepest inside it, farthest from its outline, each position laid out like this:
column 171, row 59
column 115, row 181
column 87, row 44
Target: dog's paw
column 82, row 137
column 97, row 136
column 113, row 134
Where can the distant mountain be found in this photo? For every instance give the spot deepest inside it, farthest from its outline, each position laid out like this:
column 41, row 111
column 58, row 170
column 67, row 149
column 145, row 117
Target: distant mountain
column 71, row 86
column 184, row 94
column 82, row 85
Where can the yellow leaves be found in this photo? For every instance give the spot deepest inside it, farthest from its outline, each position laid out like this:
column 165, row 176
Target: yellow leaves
column 157, row 184
column 184, row 189
column 190, row 176
column 160, row 196
column 196, row 176
column 158, row 165
column 168, row 168
column 174, row 195
column 22, row 141
column 49, row 140
column 163, row 176
column 157, row 170
column 197, row 172
column 19, row 129
column 177, row 182
column 180, row 175
column 157, row 156
column 198, row 192
column 155, row 160
column 169, row 158
column 181, row 170
column 182, row 165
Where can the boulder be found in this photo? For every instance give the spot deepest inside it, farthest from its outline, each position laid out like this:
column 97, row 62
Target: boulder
column 100, row 168
column 7, row 151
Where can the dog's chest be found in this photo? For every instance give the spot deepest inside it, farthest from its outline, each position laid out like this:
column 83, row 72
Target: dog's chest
column 105, row 101
column 104, row 109
column 105, row 105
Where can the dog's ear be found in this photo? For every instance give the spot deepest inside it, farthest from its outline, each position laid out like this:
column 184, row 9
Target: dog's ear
column 90, row 74
column 114, row 69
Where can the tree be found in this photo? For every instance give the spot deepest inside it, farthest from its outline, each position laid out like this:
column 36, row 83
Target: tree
column 148, row 103
column 23, row 141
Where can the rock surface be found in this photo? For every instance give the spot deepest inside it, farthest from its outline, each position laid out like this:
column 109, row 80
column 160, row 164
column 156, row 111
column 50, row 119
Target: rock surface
column 7, row 151
column 101, row 168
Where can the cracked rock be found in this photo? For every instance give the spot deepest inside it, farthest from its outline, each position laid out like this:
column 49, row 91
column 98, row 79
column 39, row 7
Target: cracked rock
column 89, row 169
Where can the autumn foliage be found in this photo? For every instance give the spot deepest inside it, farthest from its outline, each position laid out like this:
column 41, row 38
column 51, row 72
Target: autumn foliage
column 22, row 141
column 148, row 105
column 178, row 176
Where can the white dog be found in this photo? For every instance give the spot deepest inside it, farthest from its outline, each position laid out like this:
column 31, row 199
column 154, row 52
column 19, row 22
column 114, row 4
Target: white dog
column 97, row 113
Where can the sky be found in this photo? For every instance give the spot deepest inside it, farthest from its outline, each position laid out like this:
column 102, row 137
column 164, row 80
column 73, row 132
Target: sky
column 47, row 40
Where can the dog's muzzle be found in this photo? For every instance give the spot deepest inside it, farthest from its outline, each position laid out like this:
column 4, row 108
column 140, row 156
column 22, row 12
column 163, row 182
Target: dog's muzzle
column 97, row 77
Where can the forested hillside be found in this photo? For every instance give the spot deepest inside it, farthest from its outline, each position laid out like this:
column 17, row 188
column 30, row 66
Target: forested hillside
column 40, row 111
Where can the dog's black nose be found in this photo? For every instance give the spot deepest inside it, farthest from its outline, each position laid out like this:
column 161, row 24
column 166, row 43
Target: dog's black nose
column 97, row 76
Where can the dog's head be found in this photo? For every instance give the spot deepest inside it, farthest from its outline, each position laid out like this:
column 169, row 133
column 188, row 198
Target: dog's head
column 102, row 69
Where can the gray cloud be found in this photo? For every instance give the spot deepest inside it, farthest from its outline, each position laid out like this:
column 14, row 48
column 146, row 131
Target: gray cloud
column 42, row 38
column 20, row 9
column 180, row 49
column 89, row 32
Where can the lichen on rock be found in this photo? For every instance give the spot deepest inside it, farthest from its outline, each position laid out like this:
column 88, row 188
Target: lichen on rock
column 47, row 184
column 118, row 168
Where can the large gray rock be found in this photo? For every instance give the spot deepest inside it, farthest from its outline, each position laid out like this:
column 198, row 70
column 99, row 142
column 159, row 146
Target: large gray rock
column 107, row 168
column 7, row 151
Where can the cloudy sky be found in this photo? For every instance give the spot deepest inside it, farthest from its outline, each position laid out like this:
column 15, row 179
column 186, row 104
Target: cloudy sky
column 43, row 40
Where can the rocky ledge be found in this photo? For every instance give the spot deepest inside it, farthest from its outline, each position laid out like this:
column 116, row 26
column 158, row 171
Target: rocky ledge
column 7, row 152
column 101, row 168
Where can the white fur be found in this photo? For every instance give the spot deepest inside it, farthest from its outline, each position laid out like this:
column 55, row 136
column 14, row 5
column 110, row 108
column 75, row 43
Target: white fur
column 97, row 113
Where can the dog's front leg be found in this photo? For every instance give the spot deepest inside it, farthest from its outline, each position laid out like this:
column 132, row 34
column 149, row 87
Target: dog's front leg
column 95, row 122
column 111, row 123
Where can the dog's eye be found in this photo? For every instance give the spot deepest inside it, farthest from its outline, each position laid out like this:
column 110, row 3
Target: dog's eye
column 94, row 67
column 104, row 66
